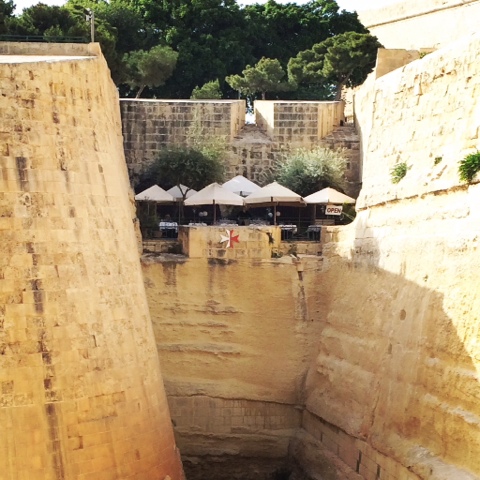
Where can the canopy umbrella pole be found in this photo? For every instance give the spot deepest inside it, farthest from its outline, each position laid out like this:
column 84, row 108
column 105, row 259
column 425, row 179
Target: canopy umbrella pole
column 274, row 213
column 214, row 213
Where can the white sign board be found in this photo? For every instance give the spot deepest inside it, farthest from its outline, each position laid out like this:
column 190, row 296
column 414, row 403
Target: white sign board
column 333, row 210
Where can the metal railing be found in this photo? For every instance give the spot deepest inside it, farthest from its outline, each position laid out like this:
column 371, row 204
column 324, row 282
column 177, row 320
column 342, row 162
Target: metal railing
column 42, row 38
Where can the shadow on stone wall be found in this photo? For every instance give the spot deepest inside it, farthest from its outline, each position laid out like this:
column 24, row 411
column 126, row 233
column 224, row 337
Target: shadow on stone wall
column 392, row 370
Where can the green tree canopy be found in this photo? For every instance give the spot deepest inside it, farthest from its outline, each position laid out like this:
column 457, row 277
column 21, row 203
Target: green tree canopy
column 343, row 60
column 306, row 171
column 266, row 76
column 210, row 37
column 38, row 19
column 209, row 90
column 150, row 68
column 6, row 13
column 182, row 166
column 282, row 30
column 213, row 38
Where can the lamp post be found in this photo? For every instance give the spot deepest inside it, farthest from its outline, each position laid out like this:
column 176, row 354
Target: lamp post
column 90, row 16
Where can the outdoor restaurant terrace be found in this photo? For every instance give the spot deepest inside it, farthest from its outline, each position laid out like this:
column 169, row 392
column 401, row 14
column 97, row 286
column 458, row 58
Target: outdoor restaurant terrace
column 244, row 220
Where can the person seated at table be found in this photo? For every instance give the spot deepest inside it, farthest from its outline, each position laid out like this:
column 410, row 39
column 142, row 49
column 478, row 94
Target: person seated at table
column 167, row 218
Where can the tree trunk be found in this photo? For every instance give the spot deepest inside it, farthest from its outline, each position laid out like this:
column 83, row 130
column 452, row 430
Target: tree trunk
column 140, row 91
column 338, row 94
column 263, row 95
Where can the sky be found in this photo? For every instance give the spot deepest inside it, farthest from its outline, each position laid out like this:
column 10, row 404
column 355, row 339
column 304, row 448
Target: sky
column 350, row 5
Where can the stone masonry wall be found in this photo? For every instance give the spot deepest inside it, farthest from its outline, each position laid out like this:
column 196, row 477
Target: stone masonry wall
column 383, row 361
column 234, row 338
column 414, row 25
column 81, row 395
column 398, row 365
column 149, row 125
column 298, row 123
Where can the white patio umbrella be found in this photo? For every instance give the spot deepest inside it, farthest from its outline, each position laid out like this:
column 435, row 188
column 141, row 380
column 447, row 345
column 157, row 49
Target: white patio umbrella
column 274, row 194
column 154, row 194
column 177, row 190
column 214, row 194
column 329, row 195
column 241, row 186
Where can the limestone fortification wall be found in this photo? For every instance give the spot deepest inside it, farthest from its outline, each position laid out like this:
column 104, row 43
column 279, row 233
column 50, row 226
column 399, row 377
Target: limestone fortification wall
column 81, row 395
column 299, row 123
column 398, row 359
column 414, row 25
column 150, row 125
column 384, row 359
column 234, row 338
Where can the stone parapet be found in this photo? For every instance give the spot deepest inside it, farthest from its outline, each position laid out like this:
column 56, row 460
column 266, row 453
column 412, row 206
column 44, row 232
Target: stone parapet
column 298, row 123
column 229, row 242
column 252, row 150
column 414, row 25
column 50, row 49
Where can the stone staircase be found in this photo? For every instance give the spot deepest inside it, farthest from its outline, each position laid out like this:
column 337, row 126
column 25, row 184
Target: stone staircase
column 252, row 133
column 344, row 136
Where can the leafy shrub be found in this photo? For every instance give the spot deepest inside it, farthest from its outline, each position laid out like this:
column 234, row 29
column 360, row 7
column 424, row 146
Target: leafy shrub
column 306, row 171
column 398, row 172
column 469, row 166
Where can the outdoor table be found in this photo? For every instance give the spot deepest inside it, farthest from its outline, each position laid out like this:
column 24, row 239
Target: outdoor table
column 168, row 229
column 288, row 231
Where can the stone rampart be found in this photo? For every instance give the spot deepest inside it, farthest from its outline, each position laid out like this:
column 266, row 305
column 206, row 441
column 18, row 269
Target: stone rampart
column 414, row 25
column 81, row 395
column 234, row 339
column 150, row 125
column 409, row 382
column 421, row 115
column 384, row 358
column 298, row 124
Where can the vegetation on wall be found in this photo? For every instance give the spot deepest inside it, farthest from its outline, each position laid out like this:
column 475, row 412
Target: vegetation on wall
column 398, row 172
column 211, row 39
column 469, row 167
column 201, row 138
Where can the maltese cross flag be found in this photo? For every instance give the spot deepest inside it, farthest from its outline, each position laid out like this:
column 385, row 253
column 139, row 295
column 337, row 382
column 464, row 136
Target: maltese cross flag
column 230, row 238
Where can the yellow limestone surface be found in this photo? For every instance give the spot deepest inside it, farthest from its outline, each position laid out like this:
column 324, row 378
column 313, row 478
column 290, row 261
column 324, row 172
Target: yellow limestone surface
column 392, row 350
column 398, row 360
column 234, row 338
column 81, row 396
